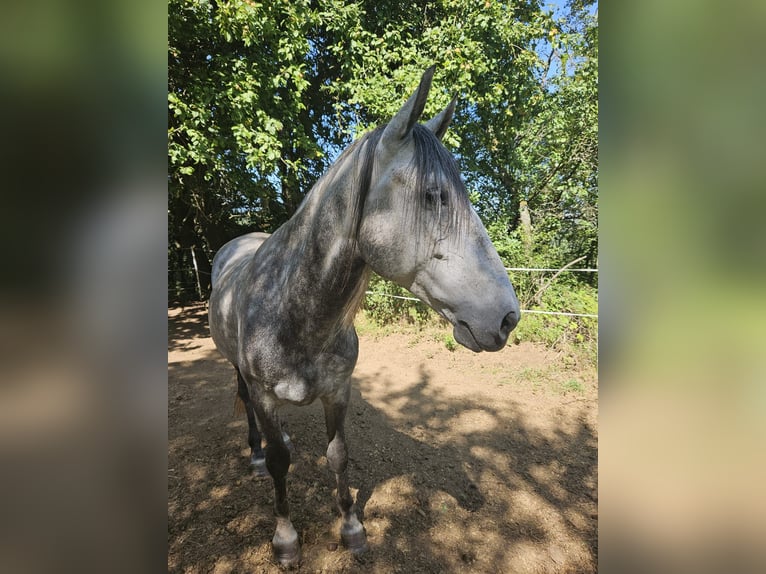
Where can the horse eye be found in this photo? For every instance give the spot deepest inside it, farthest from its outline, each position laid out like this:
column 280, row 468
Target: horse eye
column 436, row 197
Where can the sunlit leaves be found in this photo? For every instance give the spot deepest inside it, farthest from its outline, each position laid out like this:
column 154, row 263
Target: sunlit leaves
column 262, row 95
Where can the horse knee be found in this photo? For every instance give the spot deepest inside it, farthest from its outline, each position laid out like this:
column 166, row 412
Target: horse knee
column 337, row 455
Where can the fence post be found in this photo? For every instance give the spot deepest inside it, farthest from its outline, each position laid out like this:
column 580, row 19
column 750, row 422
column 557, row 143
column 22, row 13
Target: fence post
column 196, row 273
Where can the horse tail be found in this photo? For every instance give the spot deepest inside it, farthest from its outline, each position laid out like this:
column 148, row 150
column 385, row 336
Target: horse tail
column 239, row 405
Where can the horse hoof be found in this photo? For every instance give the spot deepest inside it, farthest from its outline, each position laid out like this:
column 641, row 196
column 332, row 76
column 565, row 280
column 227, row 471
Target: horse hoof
column 287, row 550
column 288, row 559
column 258, row 466
column 355, row 540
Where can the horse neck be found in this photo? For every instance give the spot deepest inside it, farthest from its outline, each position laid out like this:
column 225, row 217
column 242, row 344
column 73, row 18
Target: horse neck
column 329, row 275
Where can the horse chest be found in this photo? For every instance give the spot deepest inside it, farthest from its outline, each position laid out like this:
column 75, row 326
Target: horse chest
column 296, row 390
column 300, row 378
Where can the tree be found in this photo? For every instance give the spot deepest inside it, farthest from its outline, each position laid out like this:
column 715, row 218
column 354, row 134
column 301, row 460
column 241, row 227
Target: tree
column 262, row 96
column 246, row 117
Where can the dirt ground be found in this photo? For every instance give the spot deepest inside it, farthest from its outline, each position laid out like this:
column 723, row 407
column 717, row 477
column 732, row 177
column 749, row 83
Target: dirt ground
column 459, row 462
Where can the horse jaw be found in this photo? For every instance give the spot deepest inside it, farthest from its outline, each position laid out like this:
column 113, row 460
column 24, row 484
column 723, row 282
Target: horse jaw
column 470, row 289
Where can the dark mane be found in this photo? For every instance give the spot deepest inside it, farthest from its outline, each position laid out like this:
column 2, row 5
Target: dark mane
column 436, row 170
column 370, row 142
column 367, row 146
column 433, row 168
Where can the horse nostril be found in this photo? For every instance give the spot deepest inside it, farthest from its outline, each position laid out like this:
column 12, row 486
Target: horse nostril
column 509, row 323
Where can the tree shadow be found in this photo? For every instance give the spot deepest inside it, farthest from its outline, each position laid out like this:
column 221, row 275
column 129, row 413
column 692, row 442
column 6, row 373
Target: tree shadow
column 432, row 499
column 558, row 467
column 185, row 325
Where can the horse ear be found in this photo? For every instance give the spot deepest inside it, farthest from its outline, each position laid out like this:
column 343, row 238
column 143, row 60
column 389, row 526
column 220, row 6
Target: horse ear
column 440, row 122
column 402, row 123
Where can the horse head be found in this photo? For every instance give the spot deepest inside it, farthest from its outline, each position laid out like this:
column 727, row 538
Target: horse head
column 418, row 229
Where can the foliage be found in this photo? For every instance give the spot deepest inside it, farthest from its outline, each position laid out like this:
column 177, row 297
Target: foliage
column 262, row 96
column 389, row 303
column 551, row 164
column 561, row 331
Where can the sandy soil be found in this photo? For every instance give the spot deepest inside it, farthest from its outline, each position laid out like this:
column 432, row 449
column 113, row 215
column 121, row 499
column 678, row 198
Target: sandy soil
column 459, row 462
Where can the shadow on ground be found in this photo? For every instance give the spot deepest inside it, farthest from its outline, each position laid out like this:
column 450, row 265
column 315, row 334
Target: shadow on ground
column 444, row 484
column 186, row 326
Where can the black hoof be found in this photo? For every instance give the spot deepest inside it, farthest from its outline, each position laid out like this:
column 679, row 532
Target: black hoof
column 258, row 466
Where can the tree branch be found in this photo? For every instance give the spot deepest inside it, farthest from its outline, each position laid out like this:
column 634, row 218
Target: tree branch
column 536, row 296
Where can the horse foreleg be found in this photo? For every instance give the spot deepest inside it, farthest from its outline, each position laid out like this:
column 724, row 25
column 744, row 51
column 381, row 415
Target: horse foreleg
column 285, row 541
column 257, row 456
column 351, row 530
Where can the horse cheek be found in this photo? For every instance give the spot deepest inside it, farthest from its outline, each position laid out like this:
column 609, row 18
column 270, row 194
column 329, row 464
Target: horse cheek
column 384, row 249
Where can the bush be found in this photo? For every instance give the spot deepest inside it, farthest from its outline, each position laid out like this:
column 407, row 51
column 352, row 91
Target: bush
column 563, row 332
column 382, row 306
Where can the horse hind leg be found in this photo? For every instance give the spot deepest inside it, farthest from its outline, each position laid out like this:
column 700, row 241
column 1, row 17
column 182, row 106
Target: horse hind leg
column 351, row 531
column 257, row 456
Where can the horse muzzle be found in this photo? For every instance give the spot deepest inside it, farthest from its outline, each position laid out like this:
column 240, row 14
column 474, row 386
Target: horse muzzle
column 477, row 339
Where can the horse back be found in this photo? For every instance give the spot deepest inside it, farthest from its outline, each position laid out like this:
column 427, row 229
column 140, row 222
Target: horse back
column 227, row 263
column 234, row 251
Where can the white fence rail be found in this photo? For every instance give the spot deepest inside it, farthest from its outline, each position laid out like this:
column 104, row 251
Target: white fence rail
column 536, row 311
column 529, row 269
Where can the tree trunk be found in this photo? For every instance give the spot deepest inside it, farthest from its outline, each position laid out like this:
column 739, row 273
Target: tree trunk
column 203, row 268
column 525, row 226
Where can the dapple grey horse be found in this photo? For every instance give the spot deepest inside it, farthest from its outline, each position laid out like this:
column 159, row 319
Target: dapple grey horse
column 282, row 306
